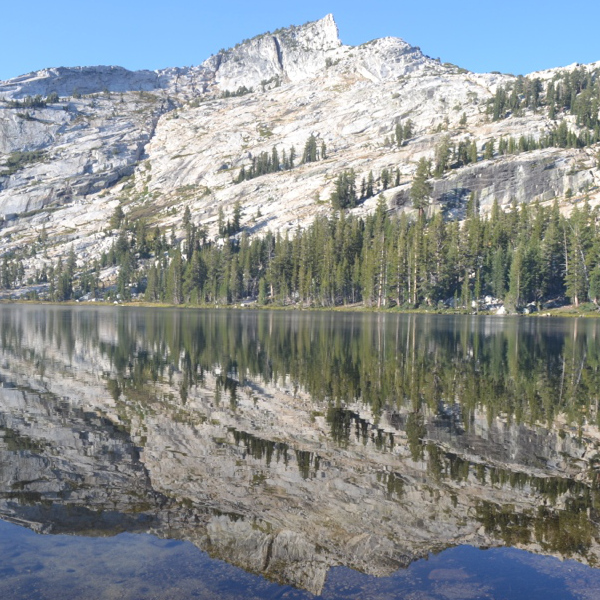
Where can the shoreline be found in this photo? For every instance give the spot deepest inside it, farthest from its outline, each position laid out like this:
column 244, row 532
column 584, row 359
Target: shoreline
column 564, row 311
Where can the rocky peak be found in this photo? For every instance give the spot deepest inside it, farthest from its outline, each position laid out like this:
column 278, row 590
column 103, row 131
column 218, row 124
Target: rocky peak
column 290, row 54
column 285, row 55
column 391, row 58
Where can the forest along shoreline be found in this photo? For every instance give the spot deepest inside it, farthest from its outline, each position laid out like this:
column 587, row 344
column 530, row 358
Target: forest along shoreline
column 585, row 311
column 529, row 259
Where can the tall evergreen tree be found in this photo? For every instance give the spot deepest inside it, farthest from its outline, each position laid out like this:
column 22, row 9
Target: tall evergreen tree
column 310, row 150
column 421, row 189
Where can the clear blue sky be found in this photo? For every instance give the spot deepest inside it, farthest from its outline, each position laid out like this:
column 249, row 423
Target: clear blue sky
column 508, row 36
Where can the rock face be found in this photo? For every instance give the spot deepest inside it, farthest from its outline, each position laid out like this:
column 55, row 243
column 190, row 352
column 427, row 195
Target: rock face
column 67, row 82
column 83, row 148
column 288, row 54
column 156, row 142
column 542, row 174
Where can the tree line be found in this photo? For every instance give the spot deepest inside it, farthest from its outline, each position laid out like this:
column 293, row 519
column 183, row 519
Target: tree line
column 527, row 254
column 272, row 162
column 37, row 101
column 449, row 155
column 574, row 93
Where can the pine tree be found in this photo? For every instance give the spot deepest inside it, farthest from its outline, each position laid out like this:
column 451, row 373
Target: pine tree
column 489, row 149
column 174, row 288
column 117, row 218
column 514, row 299
column 553, row 254
column 594, row 284
column 221, row 222
column 344, row 194
column 385, row 179
column 124, row 278
column 442, row 156
column 370, row 189
column 275, row 166
column 262, row 291
column 498, row 274
column 421, row 189
column 577, row 243
column 235, row 283
column 187, row 216
column 152, row 292
column 473, row 152
column 399, row 134
column 562, row 135
column 502, row 147
column 310, row 150
column 237, row 216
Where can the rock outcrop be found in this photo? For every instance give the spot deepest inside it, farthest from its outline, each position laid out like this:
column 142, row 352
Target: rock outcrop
column 285, row 55
column 542, row 174
column 73, row 81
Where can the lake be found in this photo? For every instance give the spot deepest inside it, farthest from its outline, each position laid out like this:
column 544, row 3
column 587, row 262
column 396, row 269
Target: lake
column 163, row 453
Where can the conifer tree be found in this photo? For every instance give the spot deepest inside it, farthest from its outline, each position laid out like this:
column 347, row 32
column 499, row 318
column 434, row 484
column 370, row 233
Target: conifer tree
column 310, row 150
column 399, row 134
column 152, row 287
column 370, row 189
column 237, row 217
column 421, row 189
column 442, row 156
column 385, row 179
column 489, row 149
column 473, row 152
column 174, row 289
column 344, row 194
column 577, row 244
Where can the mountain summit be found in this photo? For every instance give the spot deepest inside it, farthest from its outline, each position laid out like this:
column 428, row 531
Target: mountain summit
column 287, row 54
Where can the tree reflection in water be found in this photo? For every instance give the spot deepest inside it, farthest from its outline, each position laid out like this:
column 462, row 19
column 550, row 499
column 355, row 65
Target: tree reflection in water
column 288, row 443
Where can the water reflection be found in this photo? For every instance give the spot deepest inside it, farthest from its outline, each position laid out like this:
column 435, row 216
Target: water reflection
column 291, row 443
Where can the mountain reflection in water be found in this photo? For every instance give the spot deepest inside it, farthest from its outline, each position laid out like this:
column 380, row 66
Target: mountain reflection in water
column 290, row 443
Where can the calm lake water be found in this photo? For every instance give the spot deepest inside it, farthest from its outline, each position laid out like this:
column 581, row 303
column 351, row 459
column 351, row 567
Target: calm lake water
column 152, row 453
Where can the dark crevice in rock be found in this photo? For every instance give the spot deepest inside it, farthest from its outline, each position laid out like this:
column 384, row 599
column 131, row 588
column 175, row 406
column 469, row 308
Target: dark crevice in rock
column 269, row 554
column 279, row 52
